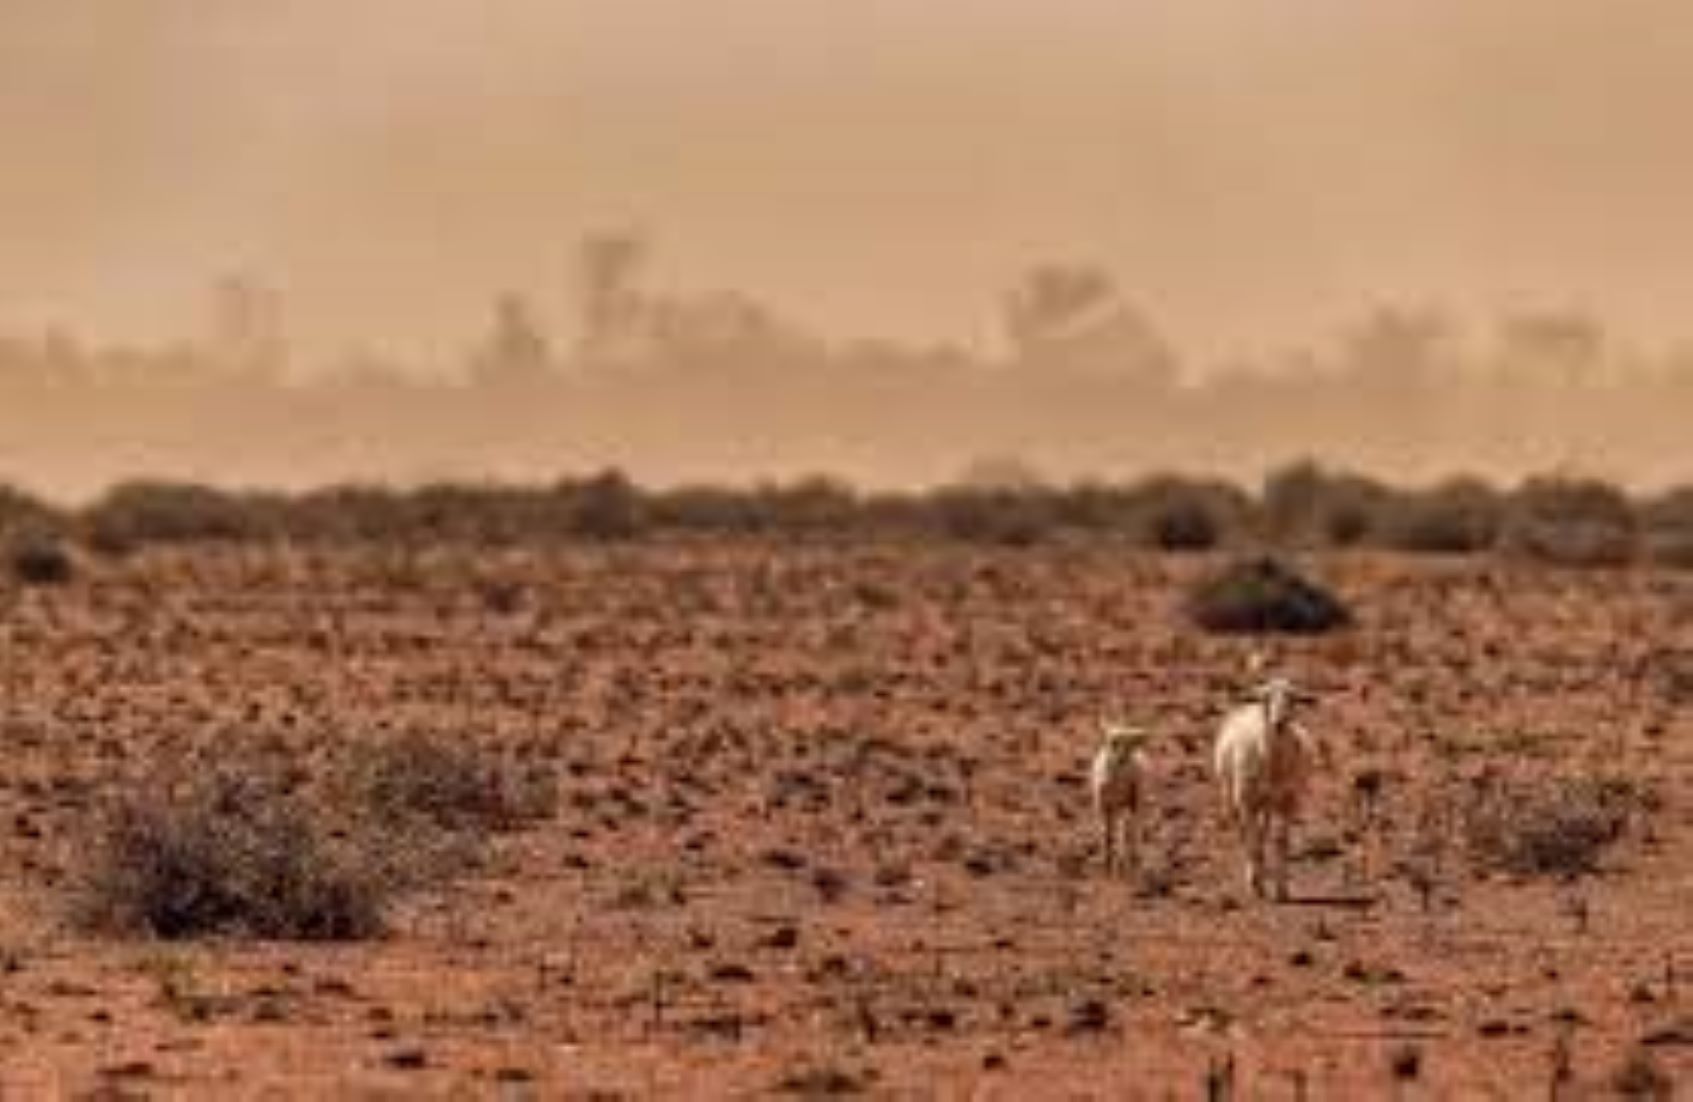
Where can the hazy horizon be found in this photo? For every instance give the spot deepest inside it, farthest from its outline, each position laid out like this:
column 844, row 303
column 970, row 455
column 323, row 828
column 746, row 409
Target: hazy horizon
column 1254, row 173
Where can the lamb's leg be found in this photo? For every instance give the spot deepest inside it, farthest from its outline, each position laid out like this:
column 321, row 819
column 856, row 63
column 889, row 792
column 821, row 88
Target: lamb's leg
column 1108, row 838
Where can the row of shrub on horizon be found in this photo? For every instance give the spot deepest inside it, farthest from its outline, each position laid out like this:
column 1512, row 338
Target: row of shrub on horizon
column 1562, row 519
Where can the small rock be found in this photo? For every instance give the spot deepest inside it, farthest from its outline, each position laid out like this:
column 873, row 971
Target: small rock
column 1089, row 1016
column 409, row 1058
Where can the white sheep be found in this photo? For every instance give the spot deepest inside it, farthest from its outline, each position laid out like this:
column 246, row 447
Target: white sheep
column 1115, row 781
column 1264, row 761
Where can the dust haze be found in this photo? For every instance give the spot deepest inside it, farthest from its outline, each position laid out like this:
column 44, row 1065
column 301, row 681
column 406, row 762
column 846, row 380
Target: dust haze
column 415, row 239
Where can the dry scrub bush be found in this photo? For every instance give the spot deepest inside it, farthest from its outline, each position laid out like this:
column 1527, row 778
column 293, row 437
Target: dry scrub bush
column 20, row 510
column 1639, row 1076
column 1459, row 516
column 1303, row 504
column 233, row 847
column 1007, row 517
column 606, row 507
column 827, row 1080
column 814, row 505
column 448, row 783
column 347, row 513
column 1668, row 524
column 1571, row 522
column 238, row 840
column 1555, row 519
column 37, row 558
column 1263, row 595
column 714, row 510
column 1181, row 514
column 138, row 513
column 1549, row 826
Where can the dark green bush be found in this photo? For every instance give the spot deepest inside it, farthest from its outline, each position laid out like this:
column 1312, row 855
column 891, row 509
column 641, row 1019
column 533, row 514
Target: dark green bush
column 1264, row 595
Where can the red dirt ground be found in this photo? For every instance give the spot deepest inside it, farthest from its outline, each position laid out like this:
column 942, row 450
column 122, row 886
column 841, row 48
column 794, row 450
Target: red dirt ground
column 822, row 825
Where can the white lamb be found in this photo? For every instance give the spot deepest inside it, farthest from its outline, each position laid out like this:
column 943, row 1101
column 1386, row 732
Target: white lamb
column 1264, row 761
column 1115, row 781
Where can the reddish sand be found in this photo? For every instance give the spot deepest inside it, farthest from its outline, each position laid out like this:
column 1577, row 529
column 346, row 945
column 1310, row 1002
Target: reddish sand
column 823, row 825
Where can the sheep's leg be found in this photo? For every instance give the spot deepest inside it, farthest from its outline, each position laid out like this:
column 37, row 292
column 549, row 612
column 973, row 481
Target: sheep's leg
column 1284, row 853
column 1108, row 838
column 1252, row 839
column 1131, row 845
column 1240, row 821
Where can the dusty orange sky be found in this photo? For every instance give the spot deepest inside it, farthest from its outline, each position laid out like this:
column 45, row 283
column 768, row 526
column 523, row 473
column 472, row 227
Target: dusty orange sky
column 1254, row 171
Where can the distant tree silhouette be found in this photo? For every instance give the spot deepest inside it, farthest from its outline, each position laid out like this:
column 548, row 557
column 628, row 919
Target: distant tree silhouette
column 1405, row 345
column 63, row 361
column 1560, row 348
column 516, row 349
column 1070, row 317
column 1049, row 301
column 609, row 270
column 247, row 335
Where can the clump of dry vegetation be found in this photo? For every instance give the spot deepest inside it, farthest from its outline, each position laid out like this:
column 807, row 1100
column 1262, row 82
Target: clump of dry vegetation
column 1640, row 1076
column 607, row 507
column 235, row 846
column 1009, row 516
column 38, row 558
column 1264, row 594
column 1555, row 519
column 1182, row 514
column 23, row 511
column 827, row 1080
column 1557, row 826
column 1305, row 504
column 1667, row 523
column 452, row 784
column 34, row 549
column 1571, row 522
column 135, row 514
column 237, row 840
column 1458, row 516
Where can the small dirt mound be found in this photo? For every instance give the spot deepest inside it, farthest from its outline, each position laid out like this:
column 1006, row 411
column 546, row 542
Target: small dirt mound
column 1265, row 594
